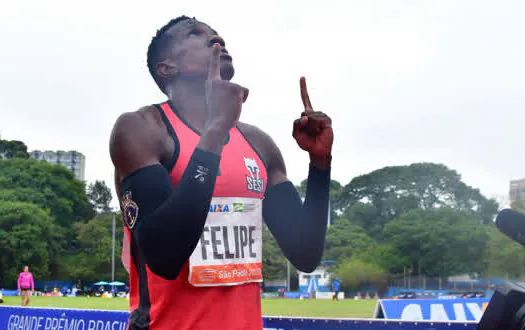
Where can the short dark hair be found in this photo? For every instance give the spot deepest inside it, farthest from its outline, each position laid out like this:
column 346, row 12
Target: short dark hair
column 157, row 45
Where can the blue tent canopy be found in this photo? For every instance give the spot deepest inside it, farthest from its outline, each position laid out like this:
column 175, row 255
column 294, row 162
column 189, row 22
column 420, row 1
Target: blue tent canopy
column 101, row 283
column 117, row 283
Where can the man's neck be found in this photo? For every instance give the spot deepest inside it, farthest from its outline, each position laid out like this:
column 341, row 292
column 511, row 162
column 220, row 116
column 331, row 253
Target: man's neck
column 189, row 99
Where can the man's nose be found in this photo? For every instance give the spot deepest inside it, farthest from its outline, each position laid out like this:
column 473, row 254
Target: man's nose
column 217, row 40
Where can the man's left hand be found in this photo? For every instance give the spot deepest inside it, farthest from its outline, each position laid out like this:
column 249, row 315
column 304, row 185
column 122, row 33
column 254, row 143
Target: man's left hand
column 313, row 131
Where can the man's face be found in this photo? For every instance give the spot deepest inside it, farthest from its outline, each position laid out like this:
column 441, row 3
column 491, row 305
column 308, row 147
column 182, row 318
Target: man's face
column 191, row 49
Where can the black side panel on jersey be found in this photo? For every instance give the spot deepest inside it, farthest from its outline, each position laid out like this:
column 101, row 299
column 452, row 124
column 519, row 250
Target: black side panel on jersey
column 139, row 319
column 168, row 165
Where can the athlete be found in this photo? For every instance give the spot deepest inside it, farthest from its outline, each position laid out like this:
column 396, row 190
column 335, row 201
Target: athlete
column 195, row 183
column 336, row 286
column 26, row 286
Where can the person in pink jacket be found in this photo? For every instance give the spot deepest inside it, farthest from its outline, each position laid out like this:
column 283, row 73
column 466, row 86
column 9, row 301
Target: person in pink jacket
column 26, row 285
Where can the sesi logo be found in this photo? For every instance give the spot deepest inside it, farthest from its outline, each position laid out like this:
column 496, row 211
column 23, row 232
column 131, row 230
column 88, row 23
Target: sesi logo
column 253, row 181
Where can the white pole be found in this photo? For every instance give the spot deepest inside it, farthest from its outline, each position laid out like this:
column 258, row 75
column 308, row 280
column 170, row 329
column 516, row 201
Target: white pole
column 287, row 276
column 113, row 251
column 329, row 217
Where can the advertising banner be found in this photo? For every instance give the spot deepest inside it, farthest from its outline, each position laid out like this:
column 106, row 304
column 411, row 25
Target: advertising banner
column 431, row 309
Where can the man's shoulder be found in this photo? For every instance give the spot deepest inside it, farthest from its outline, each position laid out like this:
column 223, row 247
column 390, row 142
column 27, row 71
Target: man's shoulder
column 146, row 113
column 261, row 141
column 137, row 134
column 145, row 119
column 253, row 133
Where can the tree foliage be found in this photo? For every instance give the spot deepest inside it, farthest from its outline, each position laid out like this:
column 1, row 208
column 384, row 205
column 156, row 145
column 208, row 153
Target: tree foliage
column 13, row 149
column 367, row 217
column 273, row 260
column 344, row 240
column 354, row 273
column 40, row 204
column 386, row 256
column 395, row 190
column 99, row 196
column 52, row 187
column 25, row 230
column 92, row 258
column 420, row 217
column 504, row 257
column 439, row 242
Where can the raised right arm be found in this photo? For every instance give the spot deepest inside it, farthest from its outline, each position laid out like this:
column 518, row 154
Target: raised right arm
column 166, row 222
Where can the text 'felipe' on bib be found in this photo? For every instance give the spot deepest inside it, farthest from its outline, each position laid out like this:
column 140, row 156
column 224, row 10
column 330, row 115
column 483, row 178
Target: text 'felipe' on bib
column 230, row 248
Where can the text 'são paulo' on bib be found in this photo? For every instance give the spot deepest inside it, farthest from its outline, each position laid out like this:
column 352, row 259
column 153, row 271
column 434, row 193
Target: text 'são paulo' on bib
column 229, row 251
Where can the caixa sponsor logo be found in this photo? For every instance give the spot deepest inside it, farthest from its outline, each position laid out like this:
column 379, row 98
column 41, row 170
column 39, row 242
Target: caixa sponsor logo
column 235, row 207
column 220, row 208
column 443, row 312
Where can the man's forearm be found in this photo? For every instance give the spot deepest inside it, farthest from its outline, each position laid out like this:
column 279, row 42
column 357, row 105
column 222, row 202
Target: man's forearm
column 316, row 205
column 299, row 228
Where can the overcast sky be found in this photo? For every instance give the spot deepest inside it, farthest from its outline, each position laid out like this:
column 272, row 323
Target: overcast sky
column 404, row 81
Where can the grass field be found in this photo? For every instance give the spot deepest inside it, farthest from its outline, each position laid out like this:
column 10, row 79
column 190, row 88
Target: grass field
column 270, row 307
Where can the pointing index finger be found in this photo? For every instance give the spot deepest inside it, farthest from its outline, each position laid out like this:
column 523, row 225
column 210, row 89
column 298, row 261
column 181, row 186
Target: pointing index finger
column 214, row 68
column 304, row 96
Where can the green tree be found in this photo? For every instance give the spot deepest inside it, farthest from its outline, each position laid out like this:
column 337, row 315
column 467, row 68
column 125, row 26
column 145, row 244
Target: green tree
column 386, row 256
column 99, row 196
column 439, row 242
column 395, row 190
column 367, row 217
column 505, row 257
column 344, row 240
column 354, row 273
column 52, row 187
column 25, row 230
column 273, row 260
column 13, row 149
column 91, row 260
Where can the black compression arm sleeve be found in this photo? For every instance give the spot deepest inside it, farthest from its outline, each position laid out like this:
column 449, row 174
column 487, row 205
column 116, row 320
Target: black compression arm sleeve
column 170, row 220
column 299, row 228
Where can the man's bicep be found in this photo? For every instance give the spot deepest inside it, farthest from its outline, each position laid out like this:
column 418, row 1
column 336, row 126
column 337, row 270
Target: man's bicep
column 133, row 144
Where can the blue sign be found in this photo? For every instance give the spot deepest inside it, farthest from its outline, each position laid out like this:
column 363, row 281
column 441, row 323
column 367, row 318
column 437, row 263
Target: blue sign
column 296, row 295
column 29, row 318
column 432, row 309
column 294, row 323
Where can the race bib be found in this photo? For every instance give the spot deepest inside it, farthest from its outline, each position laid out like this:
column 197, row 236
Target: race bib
column 230, row 248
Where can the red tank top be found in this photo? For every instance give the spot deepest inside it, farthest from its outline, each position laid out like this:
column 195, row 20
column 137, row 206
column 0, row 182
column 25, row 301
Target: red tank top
column 177, row 304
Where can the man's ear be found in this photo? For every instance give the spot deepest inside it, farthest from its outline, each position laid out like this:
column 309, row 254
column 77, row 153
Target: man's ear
column 166, row 69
